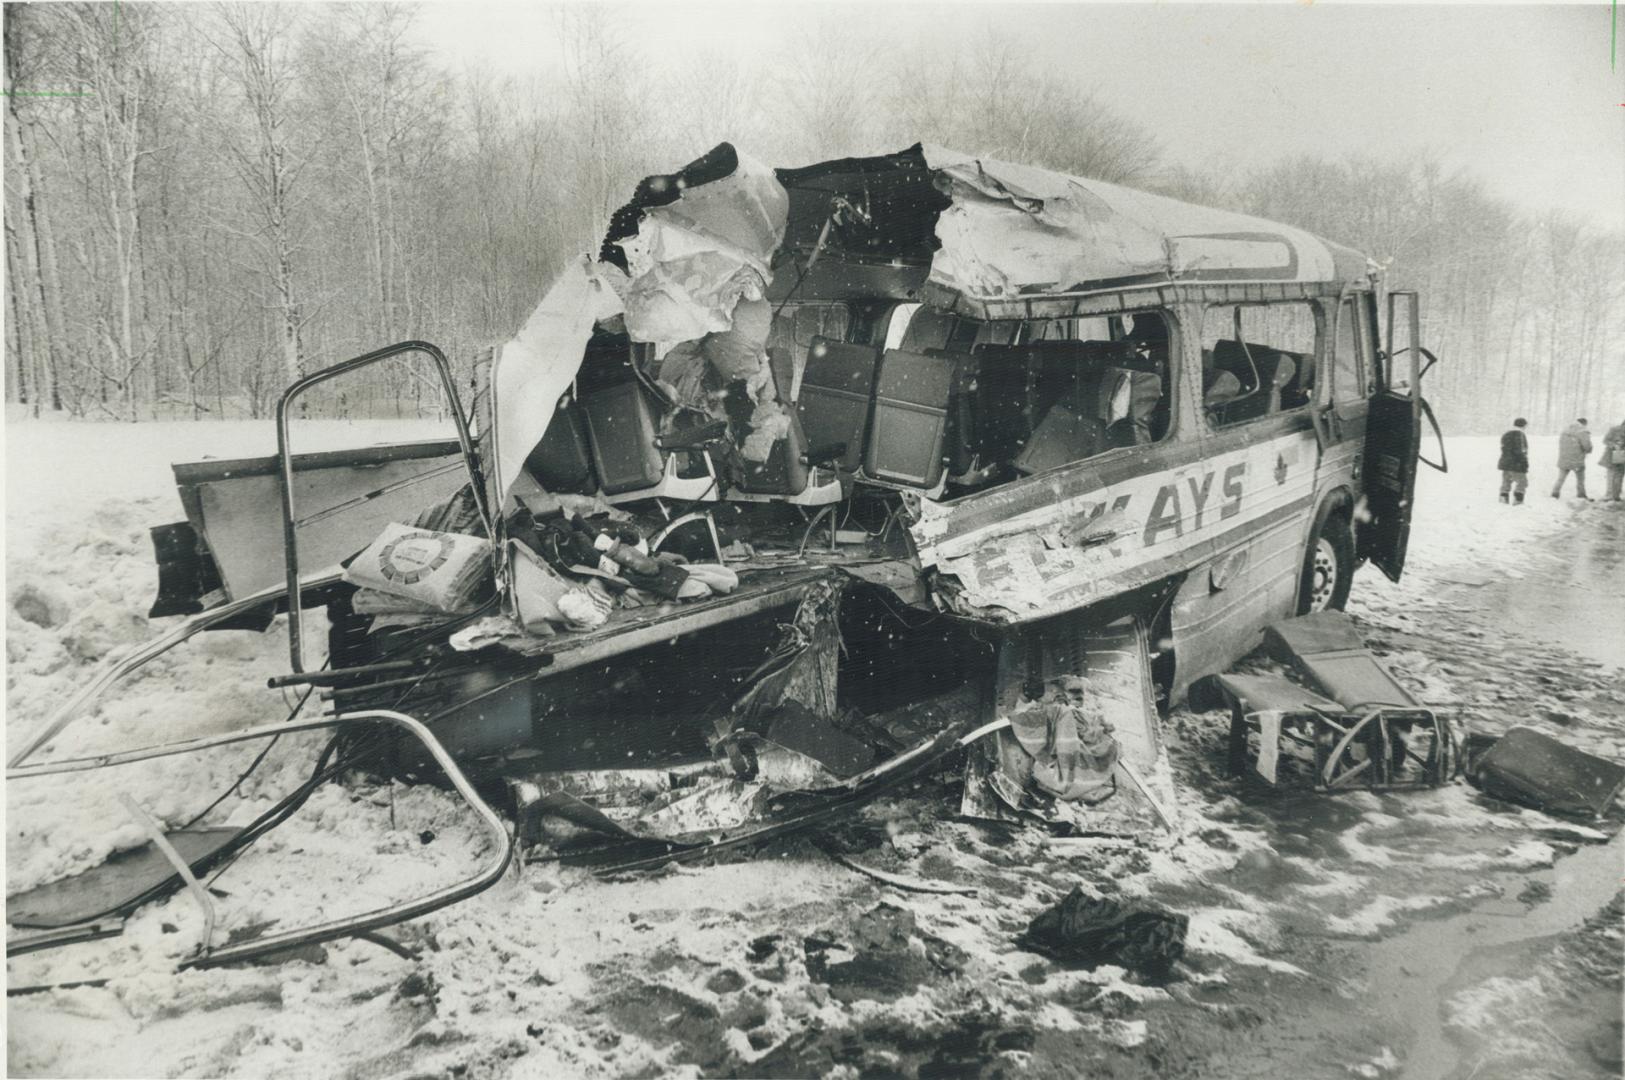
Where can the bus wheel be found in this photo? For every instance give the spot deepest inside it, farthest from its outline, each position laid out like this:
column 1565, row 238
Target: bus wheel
column 1328, row 566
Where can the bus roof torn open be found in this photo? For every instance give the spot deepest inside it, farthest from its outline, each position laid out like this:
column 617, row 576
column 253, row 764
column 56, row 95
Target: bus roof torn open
column 981, row 237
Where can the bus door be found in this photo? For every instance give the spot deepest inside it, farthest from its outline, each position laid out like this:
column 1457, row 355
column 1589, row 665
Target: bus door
column 1393, row 436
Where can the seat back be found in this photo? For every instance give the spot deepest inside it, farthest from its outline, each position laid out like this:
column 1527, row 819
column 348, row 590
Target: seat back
column 1261, row 390
column 562, row 461
column 837, row 386
column 1063, row 435
column 913, row 392
column 621, row 431
column 1128, row 401
column 1003, row 405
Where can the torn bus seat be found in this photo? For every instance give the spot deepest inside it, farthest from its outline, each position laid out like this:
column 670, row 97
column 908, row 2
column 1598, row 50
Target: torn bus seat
column 1326, row 650
column 1277, row 708
column 836, row 390
column 1531, row 768
column 1379, row 737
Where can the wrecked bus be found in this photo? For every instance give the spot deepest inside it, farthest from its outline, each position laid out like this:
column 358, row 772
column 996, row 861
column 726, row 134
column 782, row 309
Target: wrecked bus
column 811, row 477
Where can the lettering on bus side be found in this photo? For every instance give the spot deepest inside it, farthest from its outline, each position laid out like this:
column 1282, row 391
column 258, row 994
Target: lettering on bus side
column 1167, row 513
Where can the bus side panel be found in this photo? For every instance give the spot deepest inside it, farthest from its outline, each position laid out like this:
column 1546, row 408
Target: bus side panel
column 1121, row 523
column 1220, row 611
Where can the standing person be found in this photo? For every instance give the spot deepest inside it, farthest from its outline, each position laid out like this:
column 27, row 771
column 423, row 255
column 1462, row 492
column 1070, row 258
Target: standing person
column 1572, row 447
column 1613, row 456
column 1514, row 463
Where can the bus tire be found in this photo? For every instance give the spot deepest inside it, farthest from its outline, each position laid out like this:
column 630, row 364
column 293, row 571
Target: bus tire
column 1328, row 564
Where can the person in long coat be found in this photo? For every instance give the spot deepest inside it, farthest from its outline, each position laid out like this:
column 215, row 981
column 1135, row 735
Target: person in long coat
column 1514, row 463
column 1572, row 447
column 1613, row 456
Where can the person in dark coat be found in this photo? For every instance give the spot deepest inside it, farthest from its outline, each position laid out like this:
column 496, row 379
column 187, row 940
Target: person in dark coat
column 1572, row 447
column 1514, row 464
column 1613, row 456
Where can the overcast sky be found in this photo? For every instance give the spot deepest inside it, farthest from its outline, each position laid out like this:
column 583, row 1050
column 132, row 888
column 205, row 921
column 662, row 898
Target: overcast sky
column 1525, row 96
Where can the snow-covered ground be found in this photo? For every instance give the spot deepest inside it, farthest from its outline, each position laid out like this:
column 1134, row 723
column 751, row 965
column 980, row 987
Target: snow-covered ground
column 756, row 967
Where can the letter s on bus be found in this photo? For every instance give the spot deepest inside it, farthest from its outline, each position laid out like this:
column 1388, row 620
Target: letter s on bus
column 1232, row 490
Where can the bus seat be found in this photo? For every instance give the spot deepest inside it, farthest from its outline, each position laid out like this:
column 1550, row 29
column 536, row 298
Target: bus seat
column 1074, row 411
column 562, row 461
column 1229, row 356
column 1222, row 387
column 1127, row 400
column 913, row 393
column 1300, row 389
column 1278, row 372
column 621, row 430
column 836, row 387
column 1062, row 436
column 1003, row 401
column 1275, row 370
column 928, row 329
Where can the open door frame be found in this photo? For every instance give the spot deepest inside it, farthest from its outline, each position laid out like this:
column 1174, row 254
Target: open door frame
column 1393, row 440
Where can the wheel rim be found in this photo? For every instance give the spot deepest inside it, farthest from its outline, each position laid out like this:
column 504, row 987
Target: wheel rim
column 1323, row 580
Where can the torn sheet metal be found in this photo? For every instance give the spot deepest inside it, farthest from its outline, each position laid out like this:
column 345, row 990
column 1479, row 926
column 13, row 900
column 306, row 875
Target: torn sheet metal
column 1014, row 229
column 533, row 370
column 1096, row 676
column 679, row 265
column 498, row 840
column 688, row 265
column 793, row 811
column 120, row 885
column 694, row 258
column 1052, row 544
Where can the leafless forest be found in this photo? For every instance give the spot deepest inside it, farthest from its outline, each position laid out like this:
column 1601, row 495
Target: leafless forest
column 203, row 201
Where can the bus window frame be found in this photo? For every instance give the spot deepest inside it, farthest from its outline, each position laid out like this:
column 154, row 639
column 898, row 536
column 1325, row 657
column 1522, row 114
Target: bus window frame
column 1319, row 357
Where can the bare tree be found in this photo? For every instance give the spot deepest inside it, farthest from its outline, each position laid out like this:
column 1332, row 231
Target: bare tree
column 36, row 241
column 257, row 41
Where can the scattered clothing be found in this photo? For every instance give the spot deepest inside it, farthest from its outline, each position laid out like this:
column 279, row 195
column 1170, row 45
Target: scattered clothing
column 1090, row 931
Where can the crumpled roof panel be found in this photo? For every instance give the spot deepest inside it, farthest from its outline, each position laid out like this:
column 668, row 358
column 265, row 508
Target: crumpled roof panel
column 1015, row 230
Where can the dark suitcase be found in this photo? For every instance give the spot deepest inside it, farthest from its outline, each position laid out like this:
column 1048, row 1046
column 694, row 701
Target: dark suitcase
column 836, row 390
column 913, row 391
column 1534, row 769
